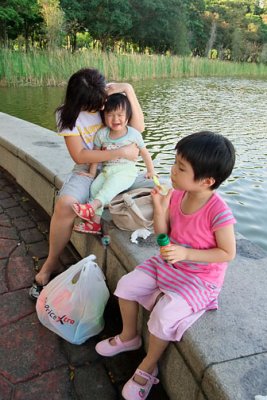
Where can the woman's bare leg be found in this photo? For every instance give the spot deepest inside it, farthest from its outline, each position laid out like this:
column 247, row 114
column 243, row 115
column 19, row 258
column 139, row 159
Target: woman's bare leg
column 60, row 232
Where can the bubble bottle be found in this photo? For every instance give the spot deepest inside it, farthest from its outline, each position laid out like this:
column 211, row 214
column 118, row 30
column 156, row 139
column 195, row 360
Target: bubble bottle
column 163, row 242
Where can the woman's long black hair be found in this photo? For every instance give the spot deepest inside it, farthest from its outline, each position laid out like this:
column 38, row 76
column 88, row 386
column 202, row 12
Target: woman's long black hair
column 85, row 92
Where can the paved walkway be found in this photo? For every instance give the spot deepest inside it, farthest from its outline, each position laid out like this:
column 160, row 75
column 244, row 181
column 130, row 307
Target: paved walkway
column 34, row 362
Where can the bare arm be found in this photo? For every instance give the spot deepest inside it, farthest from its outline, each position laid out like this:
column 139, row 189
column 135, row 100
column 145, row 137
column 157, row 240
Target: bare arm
column 161, row 211
column 93, row 169
column 93, row 166
column 80, row 155
column 137, row 119
column 225, row 250
column 148, row 161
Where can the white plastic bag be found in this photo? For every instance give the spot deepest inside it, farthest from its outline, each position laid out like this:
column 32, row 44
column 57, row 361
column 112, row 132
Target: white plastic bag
column 73, row 303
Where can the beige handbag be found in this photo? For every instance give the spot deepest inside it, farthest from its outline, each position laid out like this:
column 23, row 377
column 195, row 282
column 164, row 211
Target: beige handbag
column 132, row 210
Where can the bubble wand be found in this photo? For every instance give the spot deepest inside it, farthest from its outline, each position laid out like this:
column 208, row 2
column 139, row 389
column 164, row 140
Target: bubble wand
column 163, row 190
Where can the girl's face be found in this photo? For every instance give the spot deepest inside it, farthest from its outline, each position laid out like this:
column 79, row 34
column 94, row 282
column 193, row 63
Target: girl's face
column 182, row 175
column 116, row 120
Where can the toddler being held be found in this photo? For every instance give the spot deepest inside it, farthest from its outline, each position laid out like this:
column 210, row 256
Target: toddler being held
column 117, row 175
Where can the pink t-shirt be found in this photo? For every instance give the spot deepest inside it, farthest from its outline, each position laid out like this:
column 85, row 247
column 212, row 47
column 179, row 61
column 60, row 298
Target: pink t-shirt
column 197, row 231
column 197, row 282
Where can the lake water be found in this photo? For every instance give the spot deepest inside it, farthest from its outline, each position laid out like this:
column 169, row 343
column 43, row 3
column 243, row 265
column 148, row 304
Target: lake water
column 174, row 108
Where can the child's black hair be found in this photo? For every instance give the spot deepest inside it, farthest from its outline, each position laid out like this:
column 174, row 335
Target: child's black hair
column 116, row 101
column 86, row 91
column 211, row 155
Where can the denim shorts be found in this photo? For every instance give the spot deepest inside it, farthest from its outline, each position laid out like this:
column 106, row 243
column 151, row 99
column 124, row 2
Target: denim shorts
column 76, row 186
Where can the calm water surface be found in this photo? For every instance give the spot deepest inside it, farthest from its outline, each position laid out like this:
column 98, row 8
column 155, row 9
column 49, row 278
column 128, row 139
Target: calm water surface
column 174, row 108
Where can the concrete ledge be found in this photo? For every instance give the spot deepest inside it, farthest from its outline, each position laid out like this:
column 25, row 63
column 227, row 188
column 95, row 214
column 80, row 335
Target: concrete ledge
column 223, row 355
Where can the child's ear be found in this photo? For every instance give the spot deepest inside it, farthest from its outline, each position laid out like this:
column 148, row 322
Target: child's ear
column 208, row 182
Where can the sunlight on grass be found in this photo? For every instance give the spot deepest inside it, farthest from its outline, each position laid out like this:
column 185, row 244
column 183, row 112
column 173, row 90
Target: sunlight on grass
column 42, row 68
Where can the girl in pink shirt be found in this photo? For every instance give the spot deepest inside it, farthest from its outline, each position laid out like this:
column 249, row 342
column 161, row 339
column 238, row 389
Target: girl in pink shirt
column 181, row 287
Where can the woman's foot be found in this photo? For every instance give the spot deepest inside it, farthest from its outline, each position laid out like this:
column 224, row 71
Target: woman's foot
column 41, row 279
column 84, row 211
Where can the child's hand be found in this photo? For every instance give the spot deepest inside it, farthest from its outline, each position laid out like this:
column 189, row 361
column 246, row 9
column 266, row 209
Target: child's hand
column 163, row 189
column 174, row 253
column 149, row 174
column 160, row 202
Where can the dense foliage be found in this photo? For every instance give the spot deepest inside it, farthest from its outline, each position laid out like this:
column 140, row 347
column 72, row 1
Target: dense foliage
column 224, row 29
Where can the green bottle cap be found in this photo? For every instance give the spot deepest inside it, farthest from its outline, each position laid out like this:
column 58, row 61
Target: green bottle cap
column 163, row 239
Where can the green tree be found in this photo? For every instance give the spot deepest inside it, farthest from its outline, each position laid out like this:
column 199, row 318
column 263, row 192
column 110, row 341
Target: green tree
column 19, row 17
column 74, row 19
column 7, row 17
column 240, row 28
column 107, row 20
column 238, row 44
column 160, row 25
column 53, row 17
column 196, row 26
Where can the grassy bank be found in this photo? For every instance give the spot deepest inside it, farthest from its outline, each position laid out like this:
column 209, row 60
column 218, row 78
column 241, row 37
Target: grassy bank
column 54, row 68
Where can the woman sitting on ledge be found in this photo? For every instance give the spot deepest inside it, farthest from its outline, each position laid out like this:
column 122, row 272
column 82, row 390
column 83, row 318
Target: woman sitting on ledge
column 78, row 119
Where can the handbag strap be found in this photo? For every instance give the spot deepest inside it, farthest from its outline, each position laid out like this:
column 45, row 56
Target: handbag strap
column 131, row 203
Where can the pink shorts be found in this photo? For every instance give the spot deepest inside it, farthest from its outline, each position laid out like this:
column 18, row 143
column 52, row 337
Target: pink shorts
column 169, row 317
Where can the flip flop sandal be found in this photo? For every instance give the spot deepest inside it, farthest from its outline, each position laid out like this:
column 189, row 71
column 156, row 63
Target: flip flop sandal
column 88, row 227
column 84, row 211
column 35, row 290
